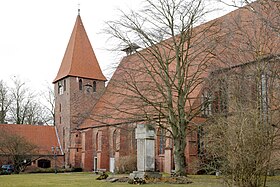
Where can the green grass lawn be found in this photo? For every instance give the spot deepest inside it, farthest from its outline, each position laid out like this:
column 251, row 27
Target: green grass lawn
column 88, row 179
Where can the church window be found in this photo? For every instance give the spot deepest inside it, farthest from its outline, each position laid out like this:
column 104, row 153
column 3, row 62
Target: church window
column 80, row 84
column 60, row 88
column 206, row 104
column 223, row 96
column 220, row 98
column 94, row 86
column 83, row 141
column 161, row 141
column 60, row 107
column 63, row 135
column 98, row 141
column 64, row 85
column 116, row 140
column 133, row 140
column 216, row 100
column 264, row 97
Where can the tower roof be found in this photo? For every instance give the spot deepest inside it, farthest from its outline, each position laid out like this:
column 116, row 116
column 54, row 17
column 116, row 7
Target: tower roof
column 79, row 59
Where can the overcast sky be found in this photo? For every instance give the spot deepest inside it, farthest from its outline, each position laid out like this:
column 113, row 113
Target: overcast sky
column 34, row 35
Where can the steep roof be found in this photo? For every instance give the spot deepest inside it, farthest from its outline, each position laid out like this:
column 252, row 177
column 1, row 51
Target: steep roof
column 79, row 59
column 42, row 136
column 235, row 30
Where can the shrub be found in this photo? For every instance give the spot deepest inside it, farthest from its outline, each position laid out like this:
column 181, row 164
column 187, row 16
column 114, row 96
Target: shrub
column 102, row 176
column 126, row 164
column 76, row 169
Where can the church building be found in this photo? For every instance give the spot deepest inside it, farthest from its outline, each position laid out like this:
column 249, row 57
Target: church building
column 80, row 91
column 92, row 131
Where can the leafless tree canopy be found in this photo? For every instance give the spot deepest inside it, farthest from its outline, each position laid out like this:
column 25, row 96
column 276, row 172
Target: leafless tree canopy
column 21, row 105
column 17, row 148
column 5, row 102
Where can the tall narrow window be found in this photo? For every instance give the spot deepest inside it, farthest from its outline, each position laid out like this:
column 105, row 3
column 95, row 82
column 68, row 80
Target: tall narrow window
column 115, row 140
column 80, row 84
column 94, row 86
column 161, row 141
column 206, row 104
column 96, row 142
column 223, row 92
column 264, row 98
column 133, row 140
column 64, row 85
column 60, row 88
column 220, row 98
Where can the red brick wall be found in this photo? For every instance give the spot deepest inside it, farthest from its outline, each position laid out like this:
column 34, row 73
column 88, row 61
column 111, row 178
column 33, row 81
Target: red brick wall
column 88, row 162
column 71, row 107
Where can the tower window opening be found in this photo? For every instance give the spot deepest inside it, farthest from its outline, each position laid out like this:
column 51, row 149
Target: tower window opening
column 60, row 88
column 80, row 84
column 94, row 86
column 64, row 85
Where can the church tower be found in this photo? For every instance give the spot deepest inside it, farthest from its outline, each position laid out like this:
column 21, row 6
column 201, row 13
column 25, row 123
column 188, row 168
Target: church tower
column 78, row 85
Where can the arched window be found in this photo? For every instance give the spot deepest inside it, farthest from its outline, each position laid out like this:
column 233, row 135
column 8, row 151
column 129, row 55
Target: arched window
column 80, row 84
column 206, row 103
column 114, row 140
column 161, row 141
column 96, row 142
column 94, row 86
column 99, row 141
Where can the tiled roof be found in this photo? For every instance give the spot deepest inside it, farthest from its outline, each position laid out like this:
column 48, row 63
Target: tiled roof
column 79, row 59
column 44, row 137
column 234, row 31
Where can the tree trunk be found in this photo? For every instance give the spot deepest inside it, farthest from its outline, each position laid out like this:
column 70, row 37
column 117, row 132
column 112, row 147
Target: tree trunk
column 179, row 156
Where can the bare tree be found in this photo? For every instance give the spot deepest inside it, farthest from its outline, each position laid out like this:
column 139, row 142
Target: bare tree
column 17, row 148
column 243, row 137
column 243, row 141
column 5, row 102
column 160, row 83
column 49, row 106
column 21, row 105
column 21, row 102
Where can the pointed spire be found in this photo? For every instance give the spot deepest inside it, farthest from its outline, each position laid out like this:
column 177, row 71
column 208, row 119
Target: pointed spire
column 79, row 59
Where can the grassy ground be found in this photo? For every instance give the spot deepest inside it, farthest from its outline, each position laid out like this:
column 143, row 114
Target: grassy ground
column 88, row 179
